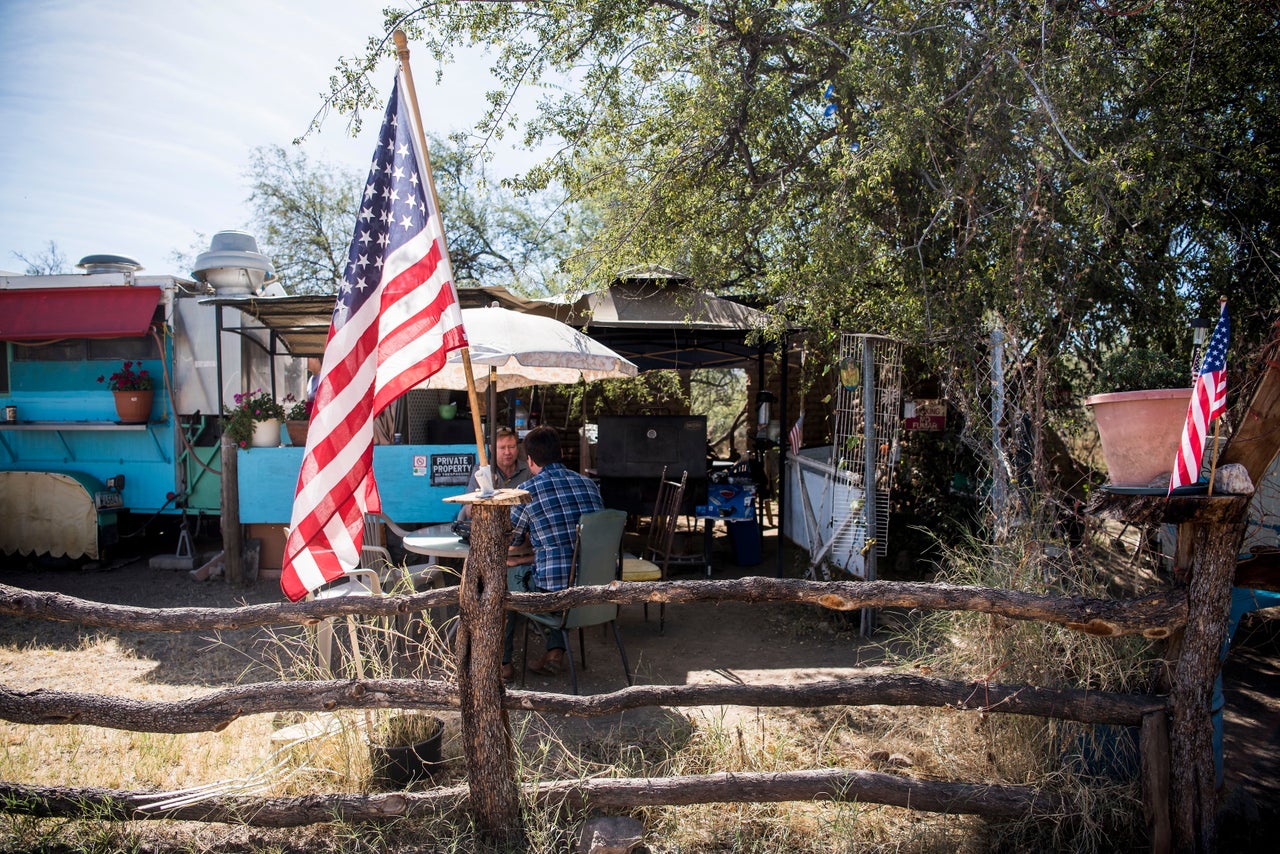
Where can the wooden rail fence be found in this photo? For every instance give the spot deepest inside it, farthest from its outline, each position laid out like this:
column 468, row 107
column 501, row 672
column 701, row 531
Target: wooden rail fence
column 1160, row 615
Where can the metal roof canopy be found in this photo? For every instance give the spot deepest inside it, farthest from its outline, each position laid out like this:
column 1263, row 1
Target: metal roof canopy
column 300, row 324
column 655, row 318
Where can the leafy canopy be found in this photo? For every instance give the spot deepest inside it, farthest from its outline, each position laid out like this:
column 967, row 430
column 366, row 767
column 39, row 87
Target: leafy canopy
column 1085, row 174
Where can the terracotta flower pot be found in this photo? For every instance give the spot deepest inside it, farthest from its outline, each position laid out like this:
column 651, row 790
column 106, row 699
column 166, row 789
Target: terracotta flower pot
column 297, row 430
column 134, row 407
column 1140, row 432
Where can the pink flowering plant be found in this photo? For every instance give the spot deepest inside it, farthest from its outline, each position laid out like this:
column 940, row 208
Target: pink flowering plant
column 129, row 378
column 298, row 410
column 250, row 408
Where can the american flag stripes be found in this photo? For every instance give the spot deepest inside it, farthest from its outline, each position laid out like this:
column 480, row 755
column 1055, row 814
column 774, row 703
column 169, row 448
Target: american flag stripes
column 394, row 324
column 1208, row 401
column 796, row 437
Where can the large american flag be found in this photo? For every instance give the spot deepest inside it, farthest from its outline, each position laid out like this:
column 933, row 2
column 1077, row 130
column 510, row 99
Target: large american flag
column 1208, row 401
column 395, row 321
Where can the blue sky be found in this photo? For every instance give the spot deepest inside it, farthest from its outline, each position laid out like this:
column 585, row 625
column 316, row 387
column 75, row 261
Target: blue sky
column 128, row 124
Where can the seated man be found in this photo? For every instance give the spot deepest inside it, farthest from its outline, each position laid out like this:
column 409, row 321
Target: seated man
column 558, row 498
column 508, row 470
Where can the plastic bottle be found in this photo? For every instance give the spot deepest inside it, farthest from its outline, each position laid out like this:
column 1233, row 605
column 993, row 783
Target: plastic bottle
column 535, row 417
column 522, row 416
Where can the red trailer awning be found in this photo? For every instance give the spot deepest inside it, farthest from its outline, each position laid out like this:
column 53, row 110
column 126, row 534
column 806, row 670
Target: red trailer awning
column 42, row 314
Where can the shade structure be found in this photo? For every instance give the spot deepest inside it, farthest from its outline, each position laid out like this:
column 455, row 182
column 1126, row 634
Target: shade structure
column 514, row 350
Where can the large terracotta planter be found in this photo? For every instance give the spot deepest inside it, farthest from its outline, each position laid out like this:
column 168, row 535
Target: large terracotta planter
column 1140, row 432
column 266, row 434
column 134, row 407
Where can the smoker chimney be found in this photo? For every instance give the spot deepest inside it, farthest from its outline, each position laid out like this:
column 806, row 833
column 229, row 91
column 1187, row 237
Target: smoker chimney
column 233, row 265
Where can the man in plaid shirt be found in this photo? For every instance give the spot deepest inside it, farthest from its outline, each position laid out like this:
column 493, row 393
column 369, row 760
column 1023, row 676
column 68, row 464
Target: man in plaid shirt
column 558, row 498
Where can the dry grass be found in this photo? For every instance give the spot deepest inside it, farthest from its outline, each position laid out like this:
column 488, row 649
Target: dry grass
column 925, row 743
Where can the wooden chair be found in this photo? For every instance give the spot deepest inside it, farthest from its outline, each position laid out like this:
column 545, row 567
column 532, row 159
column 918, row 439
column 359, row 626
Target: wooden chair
column 595, row 562
column 659, row 551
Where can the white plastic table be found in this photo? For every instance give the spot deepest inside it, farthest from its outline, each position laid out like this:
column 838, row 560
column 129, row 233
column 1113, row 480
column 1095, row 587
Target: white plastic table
column 437, row 541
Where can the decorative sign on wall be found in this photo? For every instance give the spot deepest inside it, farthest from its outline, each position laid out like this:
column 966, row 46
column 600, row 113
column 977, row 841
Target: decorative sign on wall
column 451, row 469
column 925, row 415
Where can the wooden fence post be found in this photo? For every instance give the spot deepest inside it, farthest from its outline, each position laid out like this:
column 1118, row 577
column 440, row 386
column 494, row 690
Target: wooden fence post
column 1209, row 536
column 1153, row 749
column 486, row 731
column 232, row 542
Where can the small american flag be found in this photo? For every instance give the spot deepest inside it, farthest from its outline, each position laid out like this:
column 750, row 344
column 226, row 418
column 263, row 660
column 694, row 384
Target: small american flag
column 394, row 324
column 1208, row 401
column 796, row 437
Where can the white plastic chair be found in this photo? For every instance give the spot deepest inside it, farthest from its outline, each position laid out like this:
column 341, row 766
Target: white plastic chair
column 356, row 582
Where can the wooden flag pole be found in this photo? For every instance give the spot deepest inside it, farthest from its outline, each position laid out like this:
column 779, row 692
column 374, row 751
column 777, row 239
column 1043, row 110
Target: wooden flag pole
column 1217, row 422
column 402, row 53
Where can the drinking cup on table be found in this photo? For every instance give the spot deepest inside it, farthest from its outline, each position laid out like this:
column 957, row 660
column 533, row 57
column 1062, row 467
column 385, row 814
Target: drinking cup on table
column 484, row 478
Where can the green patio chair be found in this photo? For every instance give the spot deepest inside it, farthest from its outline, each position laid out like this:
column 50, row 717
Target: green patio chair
column 596, row 561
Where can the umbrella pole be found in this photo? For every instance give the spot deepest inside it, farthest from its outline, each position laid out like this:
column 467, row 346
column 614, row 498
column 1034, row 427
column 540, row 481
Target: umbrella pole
column 475, row 406
column 492, row 411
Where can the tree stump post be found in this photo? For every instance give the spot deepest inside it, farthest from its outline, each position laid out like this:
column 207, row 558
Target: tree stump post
column 232, row 540
column 1208, row 540
column 486, row 731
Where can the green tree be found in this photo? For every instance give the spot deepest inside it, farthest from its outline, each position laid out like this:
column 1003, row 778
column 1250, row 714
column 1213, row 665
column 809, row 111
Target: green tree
column 1084, row 174
column 303, row 216
column 304, row 213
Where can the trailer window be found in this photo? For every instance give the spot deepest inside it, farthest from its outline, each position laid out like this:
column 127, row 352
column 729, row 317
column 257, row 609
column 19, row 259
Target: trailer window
column 93, row 349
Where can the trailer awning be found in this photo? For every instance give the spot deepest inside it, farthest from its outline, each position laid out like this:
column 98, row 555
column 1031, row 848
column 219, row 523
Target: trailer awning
column 42, row 314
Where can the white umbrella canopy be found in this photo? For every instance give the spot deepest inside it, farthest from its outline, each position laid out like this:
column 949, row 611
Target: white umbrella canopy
column 518, row 350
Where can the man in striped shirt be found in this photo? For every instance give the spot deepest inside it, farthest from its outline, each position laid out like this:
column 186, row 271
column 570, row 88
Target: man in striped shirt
column 557, row 499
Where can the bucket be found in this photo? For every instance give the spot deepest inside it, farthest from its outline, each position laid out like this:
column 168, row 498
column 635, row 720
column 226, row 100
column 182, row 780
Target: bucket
column 398, row 766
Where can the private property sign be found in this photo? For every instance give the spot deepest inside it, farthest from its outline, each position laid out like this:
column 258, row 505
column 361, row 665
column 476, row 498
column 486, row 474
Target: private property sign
column 451, row 469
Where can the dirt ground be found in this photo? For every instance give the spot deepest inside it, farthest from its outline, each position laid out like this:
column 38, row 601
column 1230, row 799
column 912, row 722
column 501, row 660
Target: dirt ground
column 704, row 644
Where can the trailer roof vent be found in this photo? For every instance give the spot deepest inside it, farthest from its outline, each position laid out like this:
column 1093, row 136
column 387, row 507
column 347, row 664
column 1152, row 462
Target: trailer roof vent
column 233, row 265
column 108, row 264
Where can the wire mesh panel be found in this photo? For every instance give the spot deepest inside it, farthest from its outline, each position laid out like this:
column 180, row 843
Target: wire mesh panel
column 868, row 405
column 423, row 404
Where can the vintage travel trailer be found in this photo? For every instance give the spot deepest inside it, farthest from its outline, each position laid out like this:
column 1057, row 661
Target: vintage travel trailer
column 71, row 467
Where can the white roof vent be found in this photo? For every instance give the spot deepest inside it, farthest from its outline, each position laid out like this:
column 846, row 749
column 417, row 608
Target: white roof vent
column 233, row 265
column 108, row 264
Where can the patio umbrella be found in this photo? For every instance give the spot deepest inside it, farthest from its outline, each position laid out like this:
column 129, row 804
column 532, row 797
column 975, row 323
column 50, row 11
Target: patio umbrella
column 527, row 349
column 522, row 350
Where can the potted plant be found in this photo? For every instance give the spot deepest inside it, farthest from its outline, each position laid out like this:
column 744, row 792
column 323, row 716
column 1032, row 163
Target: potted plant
column 405, row 749
column 297, row 418
column 254, row 420
column 1140, row 409
column 134, row 390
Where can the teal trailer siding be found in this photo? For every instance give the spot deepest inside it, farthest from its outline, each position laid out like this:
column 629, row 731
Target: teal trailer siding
column 268, row 478
column 67, row 423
